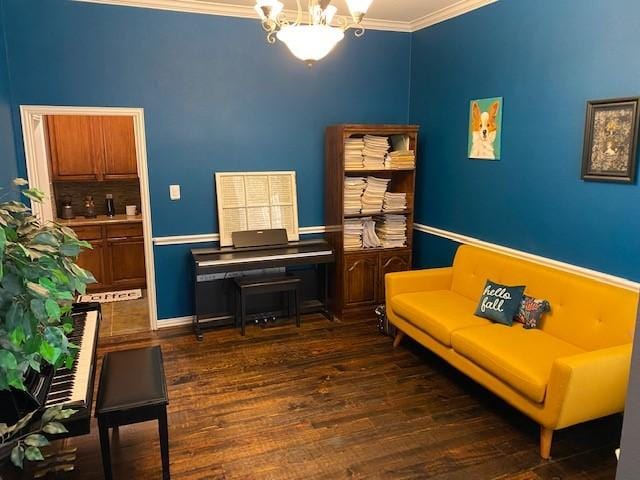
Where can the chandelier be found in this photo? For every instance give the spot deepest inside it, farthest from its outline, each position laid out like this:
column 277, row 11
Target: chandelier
column 312, row 38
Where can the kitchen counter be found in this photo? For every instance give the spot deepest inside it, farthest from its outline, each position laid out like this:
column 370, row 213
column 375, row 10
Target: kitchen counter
column 99, row 220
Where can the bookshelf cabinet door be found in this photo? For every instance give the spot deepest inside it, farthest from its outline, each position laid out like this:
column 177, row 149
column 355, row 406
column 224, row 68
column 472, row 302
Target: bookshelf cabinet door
column 389, row 263
column 360, row 279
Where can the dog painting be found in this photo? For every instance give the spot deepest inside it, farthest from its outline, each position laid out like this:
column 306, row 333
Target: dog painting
column 485, row 129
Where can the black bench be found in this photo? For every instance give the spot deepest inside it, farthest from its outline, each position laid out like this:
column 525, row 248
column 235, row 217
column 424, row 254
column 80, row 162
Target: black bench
column 247, row 286
column 132, row 389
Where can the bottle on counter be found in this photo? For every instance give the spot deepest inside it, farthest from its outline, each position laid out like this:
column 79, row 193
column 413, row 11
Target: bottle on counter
column 67, row 208
column 89, row 207
column 110, row 206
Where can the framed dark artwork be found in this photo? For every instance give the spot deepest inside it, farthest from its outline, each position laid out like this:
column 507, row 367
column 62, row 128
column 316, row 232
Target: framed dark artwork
column 611, row 140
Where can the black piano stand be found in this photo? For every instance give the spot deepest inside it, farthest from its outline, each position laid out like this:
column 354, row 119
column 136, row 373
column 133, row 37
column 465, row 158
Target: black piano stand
column 245, row 287
column 322, row 270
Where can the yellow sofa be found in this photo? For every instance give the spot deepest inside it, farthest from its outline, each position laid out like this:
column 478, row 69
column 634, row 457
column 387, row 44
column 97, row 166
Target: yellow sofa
column 573, row 369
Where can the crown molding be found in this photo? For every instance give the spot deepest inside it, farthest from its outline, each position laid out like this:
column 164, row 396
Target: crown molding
column 238, row 11
column 455, row 10
column 244, row 11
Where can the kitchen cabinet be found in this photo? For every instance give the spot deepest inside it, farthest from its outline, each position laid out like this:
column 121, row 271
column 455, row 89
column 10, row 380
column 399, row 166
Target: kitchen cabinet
column 119, row 148
column 92, row 148
column 75, row 147
column 117, row 259
column 94, row 261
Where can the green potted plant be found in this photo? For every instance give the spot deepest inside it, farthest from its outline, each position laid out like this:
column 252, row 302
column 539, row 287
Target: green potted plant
column 38, row 283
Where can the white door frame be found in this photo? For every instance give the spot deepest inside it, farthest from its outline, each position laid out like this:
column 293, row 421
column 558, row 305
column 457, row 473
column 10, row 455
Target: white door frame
column 39, row 176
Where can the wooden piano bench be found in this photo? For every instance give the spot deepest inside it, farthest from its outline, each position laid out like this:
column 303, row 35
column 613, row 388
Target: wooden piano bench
column 247, row 286
column 132, row 389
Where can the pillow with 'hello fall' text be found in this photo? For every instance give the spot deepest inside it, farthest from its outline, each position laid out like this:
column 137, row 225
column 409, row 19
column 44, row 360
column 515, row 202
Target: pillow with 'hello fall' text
column 499, row 303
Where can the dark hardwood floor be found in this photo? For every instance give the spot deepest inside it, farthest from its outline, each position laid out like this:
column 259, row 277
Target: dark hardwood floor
column 335, row 401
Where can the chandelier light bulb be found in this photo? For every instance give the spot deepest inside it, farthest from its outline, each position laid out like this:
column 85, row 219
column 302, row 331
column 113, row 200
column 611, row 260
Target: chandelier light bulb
column 310, row 43
column 268, row 9
column 310, row 37
column 358, row 8
column 329, row 13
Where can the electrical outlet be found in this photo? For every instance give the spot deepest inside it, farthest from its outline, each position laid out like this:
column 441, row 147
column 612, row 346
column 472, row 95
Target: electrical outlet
column 174, row 192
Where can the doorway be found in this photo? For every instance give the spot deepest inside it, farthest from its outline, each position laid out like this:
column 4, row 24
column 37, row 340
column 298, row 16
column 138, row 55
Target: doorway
column 79, row 157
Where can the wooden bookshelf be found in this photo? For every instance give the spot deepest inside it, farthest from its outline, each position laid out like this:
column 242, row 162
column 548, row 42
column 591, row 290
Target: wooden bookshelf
column 357, row 277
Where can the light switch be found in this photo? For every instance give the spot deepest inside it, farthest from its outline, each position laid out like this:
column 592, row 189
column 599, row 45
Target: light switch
column 174, row 192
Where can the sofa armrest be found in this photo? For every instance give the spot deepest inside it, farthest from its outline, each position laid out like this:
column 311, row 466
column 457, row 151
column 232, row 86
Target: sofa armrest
column 418, row 281
column 589, row 385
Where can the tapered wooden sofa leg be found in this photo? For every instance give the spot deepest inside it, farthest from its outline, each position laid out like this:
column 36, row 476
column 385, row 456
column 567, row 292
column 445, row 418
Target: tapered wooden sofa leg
column 398, row 339
column 546, row 437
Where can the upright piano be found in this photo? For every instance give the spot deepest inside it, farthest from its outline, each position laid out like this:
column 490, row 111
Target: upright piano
column 69, row 387
column 212, row 268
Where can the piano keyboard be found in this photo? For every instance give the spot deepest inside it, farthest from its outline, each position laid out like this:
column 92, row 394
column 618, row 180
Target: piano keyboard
column 255, row 259
column 70, row 386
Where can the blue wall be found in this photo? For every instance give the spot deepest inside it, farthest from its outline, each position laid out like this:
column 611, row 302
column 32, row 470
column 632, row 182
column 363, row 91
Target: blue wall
column 7, row 146
column 216, row 96
column 546, row 58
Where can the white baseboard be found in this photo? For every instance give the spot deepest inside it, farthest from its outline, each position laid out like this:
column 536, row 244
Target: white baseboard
column 174, row 322
column 549, row 262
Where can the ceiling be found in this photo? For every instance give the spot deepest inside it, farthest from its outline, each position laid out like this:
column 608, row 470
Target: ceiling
column 391, row 10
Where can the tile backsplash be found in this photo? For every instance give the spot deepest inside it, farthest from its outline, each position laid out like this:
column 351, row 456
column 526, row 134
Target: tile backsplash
column 125, row 192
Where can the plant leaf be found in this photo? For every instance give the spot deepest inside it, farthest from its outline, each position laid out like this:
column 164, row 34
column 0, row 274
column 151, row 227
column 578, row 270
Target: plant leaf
column 37, row 307
column 49, row 352
column 17, row 456
column 33, row 454
column 50, row 413
column 70, row 249
column 17, row 336
column 54, row 428
column 53, row 309
column 34, row 194
column 36, row 440
column 38, row 290
column 20, row 182
column 3, row 243
column 8, row 360
column 14, row 378
column 46, row 238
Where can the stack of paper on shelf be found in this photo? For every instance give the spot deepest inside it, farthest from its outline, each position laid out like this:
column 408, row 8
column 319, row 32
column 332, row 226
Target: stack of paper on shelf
column 375, row 151
column 394, row 202
column 353, row 188
column 400, row 159
column 369, row 237
column 353, row 233
column 373, row 196
column 353, row 158
column 392, row 230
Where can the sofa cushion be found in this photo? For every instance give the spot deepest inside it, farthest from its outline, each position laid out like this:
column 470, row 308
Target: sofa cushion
column 531, row 311
column 500, row 303
column 520, row 358
column 438, row 313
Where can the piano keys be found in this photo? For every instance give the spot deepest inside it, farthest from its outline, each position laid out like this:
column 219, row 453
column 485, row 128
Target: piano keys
column 69, row 388
column 215, row 265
